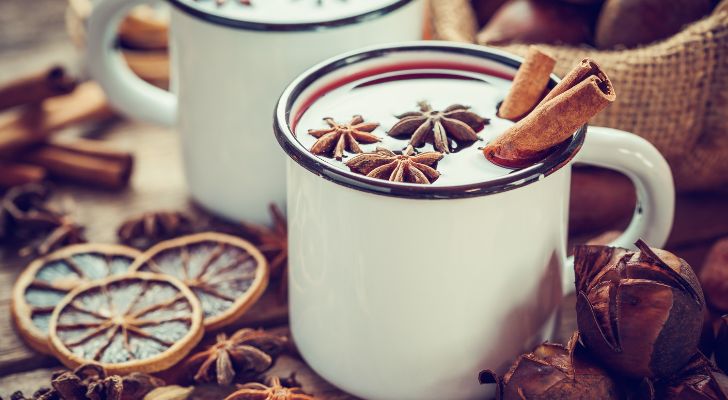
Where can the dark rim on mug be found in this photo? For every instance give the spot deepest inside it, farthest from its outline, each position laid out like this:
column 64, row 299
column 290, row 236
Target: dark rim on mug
column 284, row 131
column 192, row 8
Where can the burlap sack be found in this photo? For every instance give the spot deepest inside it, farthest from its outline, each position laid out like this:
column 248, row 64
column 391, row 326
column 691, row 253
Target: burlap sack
column 673, row 93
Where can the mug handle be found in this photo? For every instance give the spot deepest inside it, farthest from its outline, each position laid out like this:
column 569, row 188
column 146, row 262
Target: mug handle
column 639, row 160
column 126, row 92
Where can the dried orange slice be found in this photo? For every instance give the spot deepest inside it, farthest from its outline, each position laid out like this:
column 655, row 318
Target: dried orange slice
column 228, row 274
column 135, row 322
column 48, row 279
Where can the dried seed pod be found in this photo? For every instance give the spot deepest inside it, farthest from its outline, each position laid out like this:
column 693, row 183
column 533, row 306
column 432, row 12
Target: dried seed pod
column 714, row 276
column 640, row 313
column 698, row 380
column 553, row 371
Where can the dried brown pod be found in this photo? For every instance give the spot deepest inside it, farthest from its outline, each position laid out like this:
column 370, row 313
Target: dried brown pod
column 92, row 382
column 721, row 342
column 537, row 21
column 23, row 211
column 632, row 23
column 273, row 389
column 150, row 228
column 698, row 380
column 246, row 353
column 553, row 371
column 640, row 313
column 714, row 276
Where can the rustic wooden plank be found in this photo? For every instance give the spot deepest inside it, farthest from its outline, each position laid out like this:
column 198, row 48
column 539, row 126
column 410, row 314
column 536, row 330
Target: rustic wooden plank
column 27, row 382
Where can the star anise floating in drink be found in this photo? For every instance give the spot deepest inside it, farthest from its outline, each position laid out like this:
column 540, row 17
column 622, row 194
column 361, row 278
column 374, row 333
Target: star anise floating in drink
column 152, row 227
column 338, row 137
column 407, row 167
column 272, row 390
column 246, row 353
column 455, row 122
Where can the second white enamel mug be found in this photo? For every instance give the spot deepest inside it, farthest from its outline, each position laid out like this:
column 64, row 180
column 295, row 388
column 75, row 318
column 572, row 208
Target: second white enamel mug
column 387, row 304
column 228, row 66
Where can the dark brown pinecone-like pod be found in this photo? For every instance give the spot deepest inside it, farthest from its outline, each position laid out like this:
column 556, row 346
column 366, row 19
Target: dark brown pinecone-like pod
column 640, row 313
column 553, row 371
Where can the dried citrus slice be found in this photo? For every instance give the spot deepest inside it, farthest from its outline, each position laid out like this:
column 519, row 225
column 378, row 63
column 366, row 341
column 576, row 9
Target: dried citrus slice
column 226, row 273
column 48, row 279
column 139, row 322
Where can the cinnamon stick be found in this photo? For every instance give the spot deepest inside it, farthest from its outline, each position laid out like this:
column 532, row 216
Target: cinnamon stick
column 84, row 161
column 36, row 87
column 529, row 85
column 583, row 93
column 36, row 124
column 152, row 66
column 15, row 174
column 143, row 30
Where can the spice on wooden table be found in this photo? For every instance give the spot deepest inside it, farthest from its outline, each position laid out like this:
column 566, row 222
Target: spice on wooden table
column 272, row 390
column 149, row 228
column 245, row 354
column 36, row 87
column 92, row 382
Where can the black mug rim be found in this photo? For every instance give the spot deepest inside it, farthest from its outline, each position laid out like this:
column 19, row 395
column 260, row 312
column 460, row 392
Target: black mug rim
column 295, row 150
column 286, row 27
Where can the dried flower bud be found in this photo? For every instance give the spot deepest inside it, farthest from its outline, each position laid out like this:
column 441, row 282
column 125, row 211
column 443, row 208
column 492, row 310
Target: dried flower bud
column 698, row 380
column 553, row 371
column 714, row 276
column 640, row 313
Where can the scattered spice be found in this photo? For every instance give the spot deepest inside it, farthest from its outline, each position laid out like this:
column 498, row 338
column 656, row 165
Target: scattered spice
column 137, row 322
column 172, row 392
column 406, row 167
column 339, row 137
column 226, row 273
column 26, row 216
column 455, row 122
column 46, row 280
column 148, row 229
column 247, row 353
column 272, row 390
column 640, row 313
column 92, row 382
column 553, row 371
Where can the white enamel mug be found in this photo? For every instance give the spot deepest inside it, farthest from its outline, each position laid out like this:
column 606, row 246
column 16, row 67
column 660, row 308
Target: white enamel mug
column 387, row 304
column 227, row 71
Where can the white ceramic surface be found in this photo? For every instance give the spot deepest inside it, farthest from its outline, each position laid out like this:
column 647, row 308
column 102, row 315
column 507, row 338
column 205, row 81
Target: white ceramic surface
column 402, row 298
column 225, row 82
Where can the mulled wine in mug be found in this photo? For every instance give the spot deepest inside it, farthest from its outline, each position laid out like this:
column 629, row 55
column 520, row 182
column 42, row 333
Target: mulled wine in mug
column 414, row 261
column 229, row 62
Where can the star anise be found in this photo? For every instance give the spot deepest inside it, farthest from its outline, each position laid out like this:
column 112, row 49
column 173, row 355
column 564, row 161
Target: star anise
column 405, row 167
column 150, row 228
column 23, row 211
column 339, row 137
column 91, row 382
column 456, row 122
column 272, row 390
column 246, row 353
column 271, row 241
column 65, row 234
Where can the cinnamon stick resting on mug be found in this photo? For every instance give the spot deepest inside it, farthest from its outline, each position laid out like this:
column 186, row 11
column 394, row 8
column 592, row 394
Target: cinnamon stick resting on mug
column 36, row 87
column 529, row 85
column 583, row 93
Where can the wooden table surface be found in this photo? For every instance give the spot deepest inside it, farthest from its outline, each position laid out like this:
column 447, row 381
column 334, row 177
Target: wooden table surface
column 30, row 41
